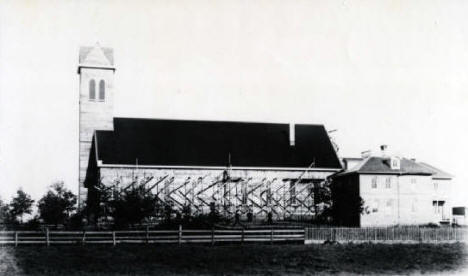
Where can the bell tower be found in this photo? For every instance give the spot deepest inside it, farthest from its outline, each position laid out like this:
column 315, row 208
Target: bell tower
column 96, row 70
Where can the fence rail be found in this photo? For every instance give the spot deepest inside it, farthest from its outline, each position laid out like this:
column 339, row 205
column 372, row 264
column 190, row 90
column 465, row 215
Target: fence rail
column 150, row 236
column 386, row 234
column 306, row 235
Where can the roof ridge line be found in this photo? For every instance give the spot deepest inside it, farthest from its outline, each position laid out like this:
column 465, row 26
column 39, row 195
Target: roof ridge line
column 211, row 120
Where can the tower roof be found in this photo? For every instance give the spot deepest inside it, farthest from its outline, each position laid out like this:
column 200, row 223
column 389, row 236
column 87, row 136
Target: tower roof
column 96, row 56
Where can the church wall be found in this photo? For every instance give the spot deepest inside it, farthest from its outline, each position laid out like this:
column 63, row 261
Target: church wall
column 260, row 191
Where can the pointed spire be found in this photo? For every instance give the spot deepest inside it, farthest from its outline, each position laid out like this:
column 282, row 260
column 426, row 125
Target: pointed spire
column 96, row 56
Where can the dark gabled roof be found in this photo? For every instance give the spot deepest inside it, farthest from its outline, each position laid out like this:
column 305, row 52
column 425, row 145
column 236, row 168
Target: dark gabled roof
column 209, row 143
column 437, row 173
column 381, row 165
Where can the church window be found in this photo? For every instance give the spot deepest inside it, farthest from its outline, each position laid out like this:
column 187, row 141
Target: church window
column 102, row 90
column 92, row 90
column 244, row 193
column 268, row 196
column 292, row 193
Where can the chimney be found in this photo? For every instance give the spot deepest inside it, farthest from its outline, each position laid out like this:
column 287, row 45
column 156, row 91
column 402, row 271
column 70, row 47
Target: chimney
column 292, row 135
column 383, row 149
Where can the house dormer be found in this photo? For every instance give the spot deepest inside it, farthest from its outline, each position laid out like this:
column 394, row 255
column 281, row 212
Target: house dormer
column 394, row 163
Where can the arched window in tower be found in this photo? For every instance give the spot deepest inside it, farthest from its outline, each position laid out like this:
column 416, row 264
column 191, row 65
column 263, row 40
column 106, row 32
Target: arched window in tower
column 92, row 90
column 102, row 90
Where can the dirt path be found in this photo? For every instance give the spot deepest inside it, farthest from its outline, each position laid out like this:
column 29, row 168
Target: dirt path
column 8, row 264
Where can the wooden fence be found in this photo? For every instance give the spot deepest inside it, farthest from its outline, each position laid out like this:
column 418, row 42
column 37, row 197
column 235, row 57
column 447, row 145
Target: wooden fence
column 151, row 236
column 389, row 234
column 307, row 235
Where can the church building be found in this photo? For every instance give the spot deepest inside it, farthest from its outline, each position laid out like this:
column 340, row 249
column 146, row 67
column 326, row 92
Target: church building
column 235, row 166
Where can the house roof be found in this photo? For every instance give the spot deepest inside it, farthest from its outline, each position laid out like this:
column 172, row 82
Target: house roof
column 437, row 173
column 213, row 143
column 354, row 160
column 381, row 165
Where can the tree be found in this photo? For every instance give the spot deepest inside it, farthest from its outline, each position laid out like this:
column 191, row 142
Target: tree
column 98, row 202
column 132, row 206
column 4, row 212
column 56, row 206
column 21, row 204
column 322, row 201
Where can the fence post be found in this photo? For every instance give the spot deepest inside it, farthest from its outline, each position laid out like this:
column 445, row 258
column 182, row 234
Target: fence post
column 180, row 234
column 113, row 238
column 305, row 234
column 271, row 236
column 16, row 238
column 147, row 235
column 242, row 236
column 212, row 236
column 331, row 233
column 420, row 234
column 83, row 240
column 47, row 236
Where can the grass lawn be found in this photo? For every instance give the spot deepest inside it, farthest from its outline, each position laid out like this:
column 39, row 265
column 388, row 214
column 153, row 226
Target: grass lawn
column 232, row 259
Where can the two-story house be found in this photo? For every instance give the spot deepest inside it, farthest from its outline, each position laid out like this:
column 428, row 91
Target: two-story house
column 394, row 191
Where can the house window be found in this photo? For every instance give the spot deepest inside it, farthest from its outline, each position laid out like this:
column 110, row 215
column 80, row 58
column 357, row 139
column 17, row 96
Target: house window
column 92, row 90
column 389, row 206
column 413, row 184
column 414, row 205
column 292, row 193
column 388, row 182
column 375, row 207
column 438, row 206
column 102, row 90
column 374, row 182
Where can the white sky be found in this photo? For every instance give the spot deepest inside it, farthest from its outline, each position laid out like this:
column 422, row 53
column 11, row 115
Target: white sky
column 392, row 72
